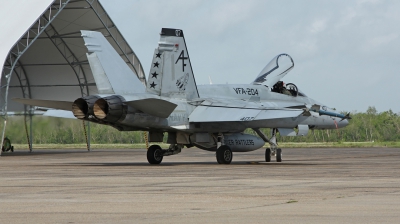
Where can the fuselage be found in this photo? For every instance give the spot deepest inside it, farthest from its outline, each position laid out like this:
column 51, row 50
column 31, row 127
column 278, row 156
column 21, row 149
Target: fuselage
column 231, row 95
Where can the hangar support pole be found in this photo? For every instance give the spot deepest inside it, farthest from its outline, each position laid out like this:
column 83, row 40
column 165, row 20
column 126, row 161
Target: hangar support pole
column 31, row 35
column 23, row 80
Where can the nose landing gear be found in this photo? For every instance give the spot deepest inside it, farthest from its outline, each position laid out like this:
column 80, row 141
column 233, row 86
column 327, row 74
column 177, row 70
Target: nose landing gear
column 273, row 150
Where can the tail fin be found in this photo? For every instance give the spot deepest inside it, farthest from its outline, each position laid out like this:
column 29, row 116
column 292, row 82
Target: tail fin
column 171, row 73
column 111, row 73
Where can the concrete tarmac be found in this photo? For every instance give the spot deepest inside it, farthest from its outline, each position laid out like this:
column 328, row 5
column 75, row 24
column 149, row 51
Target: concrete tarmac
column 330, row 185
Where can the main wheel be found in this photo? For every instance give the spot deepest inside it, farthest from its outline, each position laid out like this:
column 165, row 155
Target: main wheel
column 279, row 155
column 267, row 155
column 224, row 155
column 154, row 154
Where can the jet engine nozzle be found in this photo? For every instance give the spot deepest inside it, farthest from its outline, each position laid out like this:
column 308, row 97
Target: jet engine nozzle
column 111, row 108
column 83, row 107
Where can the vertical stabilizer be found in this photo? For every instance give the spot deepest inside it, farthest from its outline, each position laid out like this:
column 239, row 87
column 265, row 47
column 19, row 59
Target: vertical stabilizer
column 111, row 73
column 171, row 73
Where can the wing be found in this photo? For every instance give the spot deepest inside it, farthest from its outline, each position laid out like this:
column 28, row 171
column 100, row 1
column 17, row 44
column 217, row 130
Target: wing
column 216, row 112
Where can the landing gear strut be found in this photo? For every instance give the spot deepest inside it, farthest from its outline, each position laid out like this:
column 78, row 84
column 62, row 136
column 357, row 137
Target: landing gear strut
column 273, row 150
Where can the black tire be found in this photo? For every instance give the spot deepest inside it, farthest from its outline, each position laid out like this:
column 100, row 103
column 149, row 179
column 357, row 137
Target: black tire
column 224, row 155
column 279, row 155
column 154, row 154
column 267, row 155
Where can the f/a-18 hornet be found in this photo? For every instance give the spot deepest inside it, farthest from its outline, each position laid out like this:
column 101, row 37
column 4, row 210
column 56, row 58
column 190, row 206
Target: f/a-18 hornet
column 210, row 117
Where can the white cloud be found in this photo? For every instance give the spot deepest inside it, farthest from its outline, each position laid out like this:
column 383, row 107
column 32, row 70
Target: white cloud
column 361, row 2
column 346, row 17
column 318, row 25
column 380, row 41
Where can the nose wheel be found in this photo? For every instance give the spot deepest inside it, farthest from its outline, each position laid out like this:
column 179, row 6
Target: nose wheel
column 279, row 155
column 269, row 153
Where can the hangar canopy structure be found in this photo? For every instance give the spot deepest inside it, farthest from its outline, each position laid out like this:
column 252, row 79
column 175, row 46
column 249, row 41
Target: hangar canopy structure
column 44, row 56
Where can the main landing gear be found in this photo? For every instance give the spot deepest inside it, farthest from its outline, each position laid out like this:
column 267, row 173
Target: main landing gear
column 155, row 153
column 224, row 155
column 224, row 152
column 273, row 150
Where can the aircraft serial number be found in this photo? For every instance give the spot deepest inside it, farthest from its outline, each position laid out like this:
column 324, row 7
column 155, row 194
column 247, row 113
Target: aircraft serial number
column 239, row 142
column 177, row 117
column 247, row 118
column 247, row 91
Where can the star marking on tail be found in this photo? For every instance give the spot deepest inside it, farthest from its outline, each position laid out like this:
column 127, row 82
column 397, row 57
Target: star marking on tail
column 154, row 75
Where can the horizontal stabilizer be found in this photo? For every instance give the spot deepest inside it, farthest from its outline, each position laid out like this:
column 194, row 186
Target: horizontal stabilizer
column 154, row 107
column 62, row 105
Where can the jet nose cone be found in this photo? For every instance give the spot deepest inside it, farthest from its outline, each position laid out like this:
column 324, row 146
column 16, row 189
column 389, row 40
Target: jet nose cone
column 343, row 123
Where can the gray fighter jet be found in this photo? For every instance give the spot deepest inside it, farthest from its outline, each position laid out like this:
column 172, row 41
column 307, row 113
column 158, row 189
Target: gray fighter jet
column 210, row 117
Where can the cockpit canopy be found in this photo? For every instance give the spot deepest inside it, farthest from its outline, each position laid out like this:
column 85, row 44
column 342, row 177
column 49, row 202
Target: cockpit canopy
column 275, row 70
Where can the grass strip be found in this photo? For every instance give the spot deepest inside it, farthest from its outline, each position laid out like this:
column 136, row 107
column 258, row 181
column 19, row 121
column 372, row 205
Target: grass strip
column 164, row 146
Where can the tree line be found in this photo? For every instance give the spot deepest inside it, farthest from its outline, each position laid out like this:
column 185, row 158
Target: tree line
column 363, row 127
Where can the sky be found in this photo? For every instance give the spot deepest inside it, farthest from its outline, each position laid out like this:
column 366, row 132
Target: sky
column 346, row 53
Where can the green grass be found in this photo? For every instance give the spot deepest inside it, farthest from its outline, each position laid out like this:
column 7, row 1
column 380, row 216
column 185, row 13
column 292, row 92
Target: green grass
column 163, row 145
column 338, row 144
column 83, row 146
column 291, row 201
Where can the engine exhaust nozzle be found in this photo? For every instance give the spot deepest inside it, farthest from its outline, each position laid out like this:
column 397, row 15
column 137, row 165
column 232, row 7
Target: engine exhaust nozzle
column 82, row 108
column 111, row 108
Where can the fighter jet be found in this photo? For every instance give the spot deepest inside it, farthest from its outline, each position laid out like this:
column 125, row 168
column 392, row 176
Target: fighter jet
column 209, row 117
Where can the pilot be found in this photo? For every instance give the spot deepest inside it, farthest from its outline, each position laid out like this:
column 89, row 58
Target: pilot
column 275, row 88
column 280, row 88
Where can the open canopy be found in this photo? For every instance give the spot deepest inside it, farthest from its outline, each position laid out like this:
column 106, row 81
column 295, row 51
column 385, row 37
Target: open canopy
column 275, row 70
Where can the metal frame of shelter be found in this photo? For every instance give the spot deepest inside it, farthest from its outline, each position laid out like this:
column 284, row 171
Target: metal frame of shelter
column 50, row 27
